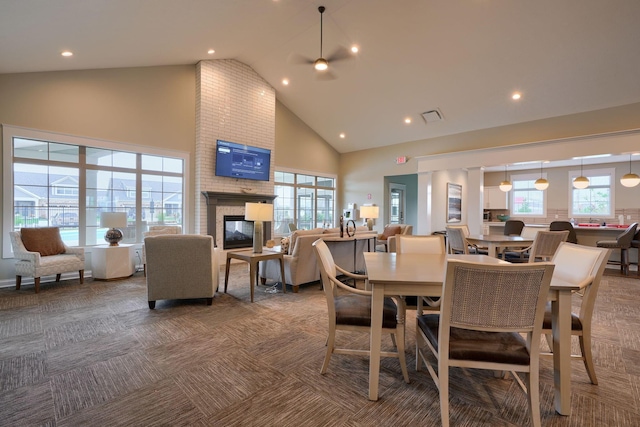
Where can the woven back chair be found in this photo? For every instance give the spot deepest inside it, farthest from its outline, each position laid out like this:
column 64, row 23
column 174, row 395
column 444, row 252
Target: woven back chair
column 485, row 309
column 457, row 241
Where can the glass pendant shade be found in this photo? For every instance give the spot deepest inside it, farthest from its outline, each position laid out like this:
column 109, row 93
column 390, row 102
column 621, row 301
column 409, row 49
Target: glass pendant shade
column 541, row 184
column 506, row 184
column 630, row 179
column 581, row 182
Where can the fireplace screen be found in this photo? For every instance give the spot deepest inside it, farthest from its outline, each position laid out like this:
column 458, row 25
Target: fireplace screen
column 238, row 233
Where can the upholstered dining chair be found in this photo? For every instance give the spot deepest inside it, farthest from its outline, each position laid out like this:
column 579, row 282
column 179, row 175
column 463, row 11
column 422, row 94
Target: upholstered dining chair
column 622, row 242
column 513, row 227
column 41, row 252
column 480, row 326
column 543, row 248
column 584, row 266
column 432, row 244
column 350, row 310
column 565, row 225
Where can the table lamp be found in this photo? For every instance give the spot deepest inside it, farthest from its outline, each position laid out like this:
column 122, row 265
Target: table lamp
column 114, row 221
column 370, row 213
column 258, row 212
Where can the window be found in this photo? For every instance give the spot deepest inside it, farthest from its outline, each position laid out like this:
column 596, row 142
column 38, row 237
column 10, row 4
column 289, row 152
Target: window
column 50, row 182
column 597, row 200
column 525, row 199
column 306, row 200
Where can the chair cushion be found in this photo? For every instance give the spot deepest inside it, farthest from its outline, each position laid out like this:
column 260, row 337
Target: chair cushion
column 355, row 310
column 44, row 240
column 464, row 344
column 576, row 324
column 390, row 230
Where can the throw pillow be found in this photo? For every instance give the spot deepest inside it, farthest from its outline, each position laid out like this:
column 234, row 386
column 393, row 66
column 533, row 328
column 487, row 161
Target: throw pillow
column 390, row 230
column 45, row 240
column 284, row 245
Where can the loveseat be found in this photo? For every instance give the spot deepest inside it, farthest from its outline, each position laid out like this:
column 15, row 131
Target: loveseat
column 300, row 264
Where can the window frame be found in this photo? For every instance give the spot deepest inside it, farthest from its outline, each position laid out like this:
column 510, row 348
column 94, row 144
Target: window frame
column 10, row 132
column 590, row 173
column 512, row 195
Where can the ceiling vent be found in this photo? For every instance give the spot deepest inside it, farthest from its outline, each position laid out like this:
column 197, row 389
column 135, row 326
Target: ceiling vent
column 432, row 116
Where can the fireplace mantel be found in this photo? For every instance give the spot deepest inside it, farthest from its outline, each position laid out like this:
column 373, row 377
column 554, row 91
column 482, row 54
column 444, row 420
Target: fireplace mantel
column 215, row 198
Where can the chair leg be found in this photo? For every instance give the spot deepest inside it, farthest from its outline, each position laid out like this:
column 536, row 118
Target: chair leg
column 443, row 386
column 624, row 261
column 401, row 352
column 585, row 348
column 533, row 391
column 144, row 269
column 331, row 342
column 36, row 281
column 81, row 272
column 18, row 282
column 58, row 276
column 152, row 305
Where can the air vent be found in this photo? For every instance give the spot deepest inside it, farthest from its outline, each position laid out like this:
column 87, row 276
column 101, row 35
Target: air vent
column 432, row 116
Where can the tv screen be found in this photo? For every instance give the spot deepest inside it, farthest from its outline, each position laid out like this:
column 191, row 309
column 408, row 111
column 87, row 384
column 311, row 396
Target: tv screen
column 242, row 161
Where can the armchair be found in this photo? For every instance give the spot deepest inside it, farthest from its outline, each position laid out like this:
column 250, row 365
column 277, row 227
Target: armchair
column 183, row 266
column 387, row 239
column 157, row 230
column 41, row 252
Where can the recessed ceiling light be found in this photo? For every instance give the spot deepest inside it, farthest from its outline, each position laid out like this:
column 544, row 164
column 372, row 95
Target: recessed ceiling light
column 516, row 96
column 407, row 120
column 354, row 49
column 67, row 53
column 285, row 82
column 211, row 51
column 342, row 135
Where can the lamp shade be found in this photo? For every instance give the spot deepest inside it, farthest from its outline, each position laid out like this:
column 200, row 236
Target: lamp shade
column 369, row 212
column 541, row 184
column 258, row 211
column 581, row 182
column 506, row 186
column 113, row 219
column 630, row 180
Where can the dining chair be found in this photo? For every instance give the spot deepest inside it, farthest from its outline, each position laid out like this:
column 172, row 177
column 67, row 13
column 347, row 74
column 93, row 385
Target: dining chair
column 457, row 240
column 350, row 310
column 622, row 242
column 433, row 244
column 543, row 248
column 485, row 309
column 583, row 266
column 635, row 243
column 564, row 225
column 513, row 227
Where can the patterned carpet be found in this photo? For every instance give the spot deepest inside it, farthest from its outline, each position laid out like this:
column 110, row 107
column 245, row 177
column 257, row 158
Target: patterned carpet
column 94, row 354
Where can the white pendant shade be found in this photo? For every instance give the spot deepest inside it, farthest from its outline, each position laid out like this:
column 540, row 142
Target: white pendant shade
column 506, row 186
column 581, row 182
column 541, row 184
column 630, row 180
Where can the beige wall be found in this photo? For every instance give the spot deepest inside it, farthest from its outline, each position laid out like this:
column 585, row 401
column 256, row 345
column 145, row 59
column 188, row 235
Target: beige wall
column 363, row 171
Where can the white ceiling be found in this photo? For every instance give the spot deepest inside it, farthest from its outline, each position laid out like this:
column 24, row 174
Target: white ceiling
column 464, row 57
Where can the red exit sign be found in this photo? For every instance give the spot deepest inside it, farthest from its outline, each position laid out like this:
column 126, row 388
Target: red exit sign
column 401, row 160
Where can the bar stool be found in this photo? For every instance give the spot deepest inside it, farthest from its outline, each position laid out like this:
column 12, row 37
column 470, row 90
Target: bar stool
column 622, row 242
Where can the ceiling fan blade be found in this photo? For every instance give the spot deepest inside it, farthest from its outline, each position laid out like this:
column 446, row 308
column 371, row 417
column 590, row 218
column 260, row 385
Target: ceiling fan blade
column 339, row 54
column 325, row 75
column 296, row 58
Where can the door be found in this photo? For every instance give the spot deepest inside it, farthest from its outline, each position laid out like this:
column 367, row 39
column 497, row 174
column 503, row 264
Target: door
column 397, row 203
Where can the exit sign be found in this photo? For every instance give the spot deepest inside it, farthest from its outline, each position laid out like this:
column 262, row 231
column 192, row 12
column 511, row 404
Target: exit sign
column 401, row 160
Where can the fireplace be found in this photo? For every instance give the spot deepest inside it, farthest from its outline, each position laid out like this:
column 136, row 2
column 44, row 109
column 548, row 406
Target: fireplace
column 237, row 233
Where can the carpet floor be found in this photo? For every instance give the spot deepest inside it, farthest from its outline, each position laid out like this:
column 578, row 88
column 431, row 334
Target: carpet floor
column 94, row 354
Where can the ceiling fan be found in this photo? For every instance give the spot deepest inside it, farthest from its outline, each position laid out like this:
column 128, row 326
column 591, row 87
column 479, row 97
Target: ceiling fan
column 321, row 64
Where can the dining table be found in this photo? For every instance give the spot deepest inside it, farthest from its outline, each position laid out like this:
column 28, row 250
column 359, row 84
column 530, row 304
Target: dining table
column 423, row 275
column 497, row 242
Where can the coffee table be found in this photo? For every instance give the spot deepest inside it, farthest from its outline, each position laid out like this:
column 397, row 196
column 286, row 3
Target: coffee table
column 253, row 259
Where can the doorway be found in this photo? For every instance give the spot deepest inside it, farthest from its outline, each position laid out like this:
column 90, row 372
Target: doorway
column 397, row 203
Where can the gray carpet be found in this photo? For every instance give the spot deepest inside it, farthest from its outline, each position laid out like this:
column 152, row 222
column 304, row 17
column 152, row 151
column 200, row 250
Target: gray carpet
column 94, row 354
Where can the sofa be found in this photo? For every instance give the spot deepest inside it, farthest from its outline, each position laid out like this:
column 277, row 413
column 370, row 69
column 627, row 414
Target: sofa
column 300, row 264
column 387, row 239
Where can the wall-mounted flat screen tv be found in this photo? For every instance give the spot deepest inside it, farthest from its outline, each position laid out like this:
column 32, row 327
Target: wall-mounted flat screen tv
column 242, row 161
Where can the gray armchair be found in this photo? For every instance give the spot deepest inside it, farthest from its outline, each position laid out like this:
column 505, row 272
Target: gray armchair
column 181, row 266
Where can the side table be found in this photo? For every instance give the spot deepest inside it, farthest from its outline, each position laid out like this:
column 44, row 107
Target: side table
column 253, row 259
column 112, row 262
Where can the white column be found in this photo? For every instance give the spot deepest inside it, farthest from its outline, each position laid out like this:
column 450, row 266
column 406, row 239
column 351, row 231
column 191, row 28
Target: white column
column 425, row 204
column 475, row 199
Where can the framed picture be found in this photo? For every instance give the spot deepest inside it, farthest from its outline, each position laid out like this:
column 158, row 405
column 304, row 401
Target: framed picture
column 454, row 203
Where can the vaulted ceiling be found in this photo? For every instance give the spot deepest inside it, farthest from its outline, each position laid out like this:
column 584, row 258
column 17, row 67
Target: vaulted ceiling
column 463, row 57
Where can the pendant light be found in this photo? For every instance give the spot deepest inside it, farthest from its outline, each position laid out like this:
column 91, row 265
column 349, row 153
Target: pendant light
column 630, row 179
column 541, row 183
column 582, row 181
column 506, row 184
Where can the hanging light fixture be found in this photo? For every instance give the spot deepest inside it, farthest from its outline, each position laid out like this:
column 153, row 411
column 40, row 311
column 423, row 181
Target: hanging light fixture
column 506, row 184
column 582, row 181
column 541, row 183
column 630, row 179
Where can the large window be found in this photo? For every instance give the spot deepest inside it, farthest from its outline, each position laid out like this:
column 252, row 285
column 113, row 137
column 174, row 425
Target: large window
column 305, row 200
column 68, row 185
column 595, row 201
column 525, row 199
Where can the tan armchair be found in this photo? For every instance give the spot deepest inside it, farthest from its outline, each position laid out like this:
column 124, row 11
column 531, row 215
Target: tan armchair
column 387, row 239
column 41, row 252
column 182, row 266
column 157, row 230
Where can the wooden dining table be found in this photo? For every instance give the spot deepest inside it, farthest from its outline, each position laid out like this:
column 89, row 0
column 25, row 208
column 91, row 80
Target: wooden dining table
column 497, row 242
column 423, row 275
